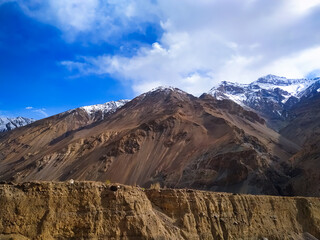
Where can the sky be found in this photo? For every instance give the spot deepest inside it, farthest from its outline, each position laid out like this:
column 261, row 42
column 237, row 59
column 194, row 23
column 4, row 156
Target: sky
column 56, row 55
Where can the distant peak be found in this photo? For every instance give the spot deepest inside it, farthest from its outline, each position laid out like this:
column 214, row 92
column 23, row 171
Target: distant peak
column 7, row 123
column 165, row 88
column 108, row 107
column 161, row 91
column 271, row 76
column 271, row 79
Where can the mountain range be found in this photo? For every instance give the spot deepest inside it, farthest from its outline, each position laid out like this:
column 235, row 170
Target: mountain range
column 271, row 96
column 259, row 138
column 7, row 124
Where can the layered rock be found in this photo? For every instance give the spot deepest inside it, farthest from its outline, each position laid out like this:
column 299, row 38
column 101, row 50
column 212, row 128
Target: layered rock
column 90, row 210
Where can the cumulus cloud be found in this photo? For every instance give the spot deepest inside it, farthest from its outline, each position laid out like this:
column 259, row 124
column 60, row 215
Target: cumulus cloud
column 203, row 42
column 28, row 108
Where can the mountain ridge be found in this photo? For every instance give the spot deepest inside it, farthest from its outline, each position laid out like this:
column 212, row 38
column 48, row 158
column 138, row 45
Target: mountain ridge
column 94, row 112
column 283, row 93
column 271, row 96
column 165, row 136
column 7, row 124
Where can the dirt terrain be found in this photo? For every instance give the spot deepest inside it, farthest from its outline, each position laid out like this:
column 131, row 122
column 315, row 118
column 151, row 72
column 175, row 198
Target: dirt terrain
column 90, row 210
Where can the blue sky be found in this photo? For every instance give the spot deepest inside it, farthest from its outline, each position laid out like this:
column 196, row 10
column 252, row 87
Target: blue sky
column 36, row 84
column 57, row 54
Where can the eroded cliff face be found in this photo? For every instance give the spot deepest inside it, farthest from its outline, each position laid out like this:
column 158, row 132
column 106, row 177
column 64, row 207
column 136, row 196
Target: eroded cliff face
column 90, row 210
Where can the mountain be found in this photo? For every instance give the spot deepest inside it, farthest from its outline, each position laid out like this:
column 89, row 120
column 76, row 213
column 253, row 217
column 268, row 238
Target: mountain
column 304, row 129
column 165, row 135
column 291, row 106
column 99, row 111
column 7, row 124
column 61, row 125
column 271, row 96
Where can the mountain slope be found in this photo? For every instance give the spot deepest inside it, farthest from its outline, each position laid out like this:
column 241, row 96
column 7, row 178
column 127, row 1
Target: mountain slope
column 7, row 124
column 165, row 136
column 99, row 111
column 304, row 129
column 35, row 136
column 304, row 126
column 271, row 96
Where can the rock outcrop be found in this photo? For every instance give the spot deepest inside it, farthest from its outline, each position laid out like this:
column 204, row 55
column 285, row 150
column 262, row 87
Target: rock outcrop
column 90, row 210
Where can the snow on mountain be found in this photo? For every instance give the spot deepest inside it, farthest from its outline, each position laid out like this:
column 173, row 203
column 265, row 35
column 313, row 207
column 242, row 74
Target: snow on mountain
column 291, row 87
column 95, row 112
column 163, row 89
column 167, row 89
column 242, row 93
column 232, row 91
column 105, row 108
column 271, row 95
column 7, row 124
column 311, row 90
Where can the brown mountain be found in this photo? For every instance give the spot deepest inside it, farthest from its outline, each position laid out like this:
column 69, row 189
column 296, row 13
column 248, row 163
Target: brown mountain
column 304, row 129
column 165, row 136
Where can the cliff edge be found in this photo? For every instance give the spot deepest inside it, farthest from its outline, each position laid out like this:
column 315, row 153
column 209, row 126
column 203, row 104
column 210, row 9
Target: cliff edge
column 90, row 210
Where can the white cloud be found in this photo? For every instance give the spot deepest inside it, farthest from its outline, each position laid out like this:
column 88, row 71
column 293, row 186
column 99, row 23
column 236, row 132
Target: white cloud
column 94, row 20
column 203, row 42
column 296, row 65
column 40, row 111
column 302, row 7
column 78, row 15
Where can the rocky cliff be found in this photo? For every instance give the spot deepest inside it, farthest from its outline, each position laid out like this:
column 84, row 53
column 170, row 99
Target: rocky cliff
column 90, row 210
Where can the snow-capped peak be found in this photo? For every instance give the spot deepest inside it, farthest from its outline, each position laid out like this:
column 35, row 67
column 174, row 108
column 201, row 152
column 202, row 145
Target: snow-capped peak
column 163, row 88
column 105, row 108
column 228, row 90
column 292, row 86
column 272, row 79
column 7, row 124
column 289, row 87
column 166, row 89
column 269, row 95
